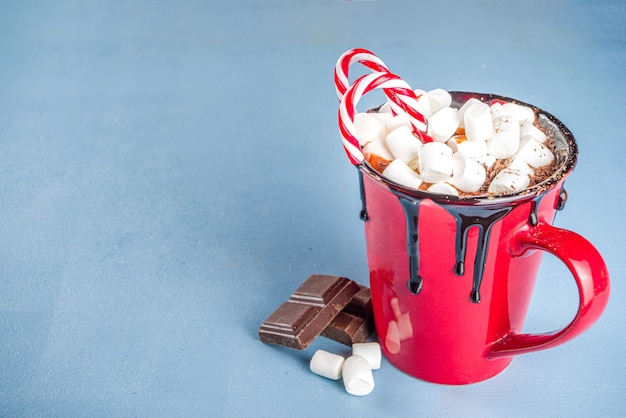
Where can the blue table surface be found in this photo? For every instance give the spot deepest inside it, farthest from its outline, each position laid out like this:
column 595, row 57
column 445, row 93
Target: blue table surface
column 171, row 171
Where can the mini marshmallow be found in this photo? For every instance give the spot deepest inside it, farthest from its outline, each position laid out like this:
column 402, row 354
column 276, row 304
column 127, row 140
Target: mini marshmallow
column 357, row 376
column 384, row 117
column 464, row 107
column 423, row 103
column 327, row 364
column 469, row 175
column 519, row 111
column 439, row 98
column 379, row 148
column 435, row 162
column 509, row 181
column 397, row 121
column 370, row 352
column 368, row 128
column 443, row 124
column 399, row 172
column 403, row 144
column 486, row 160
column 520, row 165
column 505, row 139
column 526, row 128
column 460, row 143
column 534, row 152
column 385, row 108
column 443, row 188
column 497, row 111
column 477, row 121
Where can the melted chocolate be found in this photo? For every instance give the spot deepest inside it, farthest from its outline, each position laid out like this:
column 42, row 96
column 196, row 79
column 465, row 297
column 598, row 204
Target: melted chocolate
column 466, row 218
column 533, row 218
column 363, row 214
column 411, row 213
column 562, row 200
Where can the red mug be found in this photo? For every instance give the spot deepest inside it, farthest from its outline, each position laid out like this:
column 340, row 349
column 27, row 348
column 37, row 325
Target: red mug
column 452, row 278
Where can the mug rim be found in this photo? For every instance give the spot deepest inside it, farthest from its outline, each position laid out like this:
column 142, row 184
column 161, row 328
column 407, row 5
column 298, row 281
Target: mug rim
column 564, row 169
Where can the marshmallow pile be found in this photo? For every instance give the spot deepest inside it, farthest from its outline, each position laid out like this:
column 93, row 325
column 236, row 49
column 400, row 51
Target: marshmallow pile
column 356, row 370
column 478, row 148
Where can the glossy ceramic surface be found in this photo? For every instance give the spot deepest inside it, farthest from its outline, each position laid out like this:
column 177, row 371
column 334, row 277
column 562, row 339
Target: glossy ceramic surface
column 452, row 279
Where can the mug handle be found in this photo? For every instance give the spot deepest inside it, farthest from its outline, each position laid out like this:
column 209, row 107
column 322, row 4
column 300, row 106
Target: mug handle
column 589, row 271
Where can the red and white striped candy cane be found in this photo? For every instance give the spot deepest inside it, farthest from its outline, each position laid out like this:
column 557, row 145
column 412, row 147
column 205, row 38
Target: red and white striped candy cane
column 402, row 100
column 348, row 58
column 400, row 93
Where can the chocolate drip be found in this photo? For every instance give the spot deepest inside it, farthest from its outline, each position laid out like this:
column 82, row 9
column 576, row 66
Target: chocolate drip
column 466, row 218
column 363, row 214
column 411, row 212
column 533, row 218
column 562, row 199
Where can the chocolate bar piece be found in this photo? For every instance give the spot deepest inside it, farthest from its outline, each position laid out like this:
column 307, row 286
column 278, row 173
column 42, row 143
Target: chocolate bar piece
column 308, row 311
column 355, row 322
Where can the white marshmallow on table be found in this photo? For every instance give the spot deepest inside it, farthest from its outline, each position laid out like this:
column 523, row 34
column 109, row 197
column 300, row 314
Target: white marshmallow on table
column 327, row 364
column 509, row 181
column 505, row 138
column 519, row 111
column 399, row 172
column 534, row 152
column 443, row 124
column 469, row 175
column 379, row 148
column 526, row 128
column 478, row 122
column 370, row 352
column 368, row 128
column 520, row 165
column 403, row 144
column 460, row 143
column 357, row 376
column 442, row 188
column 435, row 162
column 397, row 121
column 464, row 107
column 439, row 98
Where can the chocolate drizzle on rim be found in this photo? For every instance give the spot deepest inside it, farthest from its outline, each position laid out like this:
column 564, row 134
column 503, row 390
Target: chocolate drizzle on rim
column 479, row 211
column 411, row 213
column 483, row 219
column 565, row 151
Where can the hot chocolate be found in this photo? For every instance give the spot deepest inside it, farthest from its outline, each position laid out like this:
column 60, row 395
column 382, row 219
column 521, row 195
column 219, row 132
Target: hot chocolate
column 484, row 147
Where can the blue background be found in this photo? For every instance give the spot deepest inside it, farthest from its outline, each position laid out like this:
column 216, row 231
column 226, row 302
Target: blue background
column 171, row 171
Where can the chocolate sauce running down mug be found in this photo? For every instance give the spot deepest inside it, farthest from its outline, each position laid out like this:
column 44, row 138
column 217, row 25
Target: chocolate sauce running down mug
column 452, row 278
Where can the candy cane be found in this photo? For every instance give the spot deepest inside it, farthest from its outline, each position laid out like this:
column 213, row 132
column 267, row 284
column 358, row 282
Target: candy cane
column 400, row 93
column 402, row 100
column 349, row 57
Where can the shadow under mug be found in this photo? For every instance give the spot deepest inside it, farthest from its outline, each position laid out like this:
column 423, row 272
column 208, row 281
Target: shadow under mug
column 452, row 279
